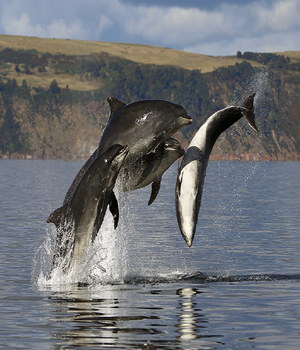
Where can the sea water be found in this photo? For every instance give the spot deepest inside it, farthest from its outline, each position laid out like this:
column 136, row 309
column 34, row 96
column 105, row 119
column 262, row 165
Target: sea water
column 237, row 287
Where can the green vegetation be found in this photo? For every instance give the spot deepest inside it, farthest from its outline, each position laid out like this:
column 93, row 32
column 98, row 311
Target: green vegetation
column 10, row 129
column 270, row 59
column 142, row 54
column 41, row 91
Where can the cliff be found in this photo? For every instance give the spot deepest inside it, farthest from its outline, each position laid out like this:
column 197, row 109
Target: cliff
column 53, row 104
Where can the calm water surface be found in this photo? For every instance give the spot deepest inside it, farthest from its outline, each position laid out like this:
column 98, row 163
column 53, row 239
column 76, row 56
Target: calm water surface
column 236, row 288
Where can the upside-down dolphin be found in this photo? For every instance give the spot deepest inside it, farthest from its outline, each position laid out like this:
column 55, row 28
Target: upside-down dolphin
column 191, row 173
column 132, row 176
column 144, row 126
column 79, row 220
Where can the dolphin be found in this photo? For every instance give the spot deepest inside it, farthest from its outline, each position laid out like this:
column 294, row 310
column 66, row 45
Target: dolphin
column 191, row 173
column 79, row 220
column 132, row 175
column 79, row 176
column 144, row 126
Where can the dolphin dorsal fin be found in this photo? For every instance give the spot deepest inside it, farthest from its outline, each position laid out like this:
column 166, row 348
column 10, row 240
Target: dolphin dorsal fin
column 115, row 105
column 248, row 103
column 56, row 216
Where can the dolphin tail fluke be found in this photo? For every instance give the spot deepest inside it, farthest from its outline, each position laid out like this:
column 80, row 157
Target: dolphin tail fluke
column 249, row 115
column 249, row 102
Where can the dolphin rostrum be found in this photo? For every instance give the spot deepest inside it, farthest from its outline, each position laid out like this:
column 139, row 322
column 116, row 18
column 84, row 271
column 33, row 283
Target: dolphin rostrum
column 191, row 173
column 79, row 220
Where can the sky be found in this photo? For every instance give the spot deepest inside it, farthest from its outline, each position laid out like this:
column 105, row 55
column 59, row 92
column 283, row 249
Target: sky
column 211, row 27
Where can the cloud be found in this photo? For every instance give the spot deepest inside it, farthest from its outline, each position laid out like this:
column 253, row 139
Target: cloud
column 174, row 25
column 59, row 29
column 21, row 24
column 259, row 26
column 205, row 4
column 228, row 26
column 271, row 42
column 281, row 16
column 104, row 24
column 56, row 29
column 186, row 27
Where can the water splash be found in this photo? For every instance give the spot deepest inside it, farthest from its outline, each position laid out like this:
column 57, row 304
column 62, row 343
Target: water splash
column 107, row 260
column 104, row 261
column 258, row 84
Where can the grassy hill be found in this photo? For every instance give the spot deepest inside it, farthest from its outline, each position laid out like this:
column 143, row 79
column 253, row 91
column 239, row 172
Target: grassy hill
column 53, row 94
column 143, row 54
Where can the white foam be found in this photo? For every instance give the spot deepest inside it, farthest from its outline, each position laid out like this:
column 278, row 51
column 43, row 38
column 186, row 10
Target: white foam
column 104, row 261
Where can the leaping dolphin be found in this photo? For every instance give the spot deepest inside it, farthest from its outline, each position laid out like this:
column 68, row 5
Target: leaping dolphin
column 144, row 126
column 132, row 176
column 79, row 220
column 191, row 173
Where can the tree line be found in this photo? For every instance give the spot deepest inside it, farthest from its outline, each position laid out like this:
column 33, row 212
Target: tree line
column 270, row 59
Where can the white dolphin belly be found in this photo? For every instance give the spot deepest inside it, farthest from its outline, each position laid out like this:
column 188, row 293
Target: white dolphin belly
column 187, row 199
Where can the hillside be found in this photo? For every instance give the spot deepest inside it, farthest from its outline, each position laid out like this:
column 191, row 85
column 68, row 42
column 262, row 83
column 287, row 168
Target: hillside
column 143, row 54
column 53, row 95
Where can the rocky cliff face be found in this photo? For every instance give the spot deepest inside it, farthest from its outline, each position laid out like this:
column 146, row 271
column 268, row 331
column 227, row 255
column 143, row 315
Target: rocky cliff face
column 57, row 131
column 277, row 117
column 62, row 123
column 72, row 131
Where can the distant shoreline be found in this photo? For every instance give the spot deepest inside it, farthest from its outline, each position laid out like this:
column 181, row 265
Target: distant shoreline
column 214, row 158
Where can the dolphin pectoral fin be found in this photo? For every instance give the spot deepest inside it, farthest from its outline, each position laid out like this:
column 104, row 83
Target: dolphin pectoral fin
column 153, row 159
column 159, row 153
column 155, row 190
column 149, row 159
column 114, row 209
column 146, row 172
column 99, row 218
column 56, row 216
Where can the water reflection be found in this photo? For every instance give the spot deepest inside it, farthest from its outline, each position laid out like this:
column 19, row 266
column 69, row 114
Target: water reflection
column 89, row 321
column 187, row 319
column 107, row 321
column 131, row 317
column 192, row 323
